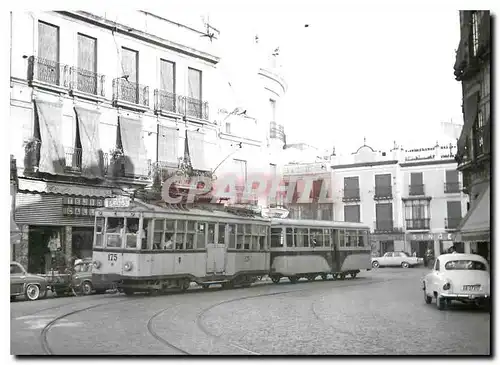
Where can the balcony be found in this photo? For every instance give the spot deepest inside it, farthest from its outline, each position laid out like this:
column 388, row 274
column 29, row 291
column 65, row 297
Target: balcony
column 383, row 192
column 48, row 74
column 277, row 131
column 192, row 108
column 73, row 159
column 452, row 223
column 452, row 187
column 87, row 83
column 130, row 95
column 416, row 190
column 418, row 224
column 384, row 226
column 165, row 101
column 351, row 195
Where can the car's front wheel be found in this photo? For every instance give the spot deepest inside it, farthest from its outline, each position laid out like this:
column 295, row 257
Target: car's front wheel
column 87, row 288
column 32, row 292
column 375, row 264
column 440, row 303
column 405, row 265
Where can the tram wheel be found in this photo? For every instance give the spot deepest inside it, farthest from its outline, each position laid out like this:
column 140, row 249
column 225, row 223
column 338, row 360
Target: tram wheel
column 342, row 276
column 353, row 274
column 335, row 276
column 324, row 276
column 311, row 277
column 293, row 279
column 275, row 279
column 227, row 285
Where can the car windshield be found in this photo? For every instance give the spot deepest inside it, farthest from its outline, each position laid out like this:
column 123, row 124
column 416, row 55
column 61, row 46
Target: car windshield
column 465, row 265
column 407, row 254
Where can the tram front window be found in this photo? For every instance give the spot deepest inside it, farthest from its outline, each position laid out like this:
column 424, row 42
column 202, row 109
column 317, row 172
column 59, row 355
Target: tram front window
column 131, row 231
column 114, row 231
column 276, row 237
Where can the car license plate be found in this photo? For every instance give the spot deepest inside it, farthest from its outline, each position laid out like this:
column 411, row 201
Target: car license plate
column 471, row 287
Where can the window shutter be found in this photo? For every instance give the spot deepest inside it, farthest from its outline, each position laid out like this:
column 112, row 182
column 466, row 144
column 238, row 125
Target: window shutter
column 194, row 83
column 167, row 76
column 48, row 42
column 87, row 53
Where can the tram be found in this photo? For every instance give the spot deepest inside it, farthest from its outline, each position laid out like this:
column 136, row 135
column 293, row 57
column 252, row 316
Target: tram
column 152, row 248
column 308, row 249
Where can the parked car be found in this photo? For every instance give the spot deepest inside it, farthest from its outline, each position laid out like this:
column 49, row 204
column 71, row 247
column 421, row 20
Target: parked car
column 398, row 258
column 82, row 279
column 33, row 287
column 460, row 277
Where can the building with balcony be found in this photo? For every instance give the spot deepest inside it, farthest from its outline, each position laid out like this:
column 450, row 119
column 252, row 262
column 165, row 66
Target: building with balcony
column 472, row 69
column 103, row 106
column 412, row 199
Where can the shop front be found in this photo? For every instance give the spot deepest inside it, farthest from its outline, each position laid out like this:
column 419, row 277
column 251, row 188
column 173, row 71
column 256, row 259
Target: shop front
column 382, row 243
column 57, row 222
column 438, row 243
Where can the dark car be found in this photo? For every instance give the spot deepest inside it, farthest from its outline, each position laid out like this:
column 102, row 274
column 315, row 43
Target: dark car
column 82, row 279
column 33, row 287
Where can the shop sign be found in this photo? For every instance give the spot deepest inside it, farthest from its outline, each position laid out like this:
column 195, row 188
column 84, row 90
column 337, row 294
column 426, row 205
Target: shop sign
column 77, row 206
column 117, row 202
column 431, row 236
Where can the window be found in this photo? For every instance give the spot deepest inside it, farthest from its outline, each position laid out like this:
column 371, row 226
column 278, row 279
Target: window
column 452, row 185
column 351, row 213
column 301, row 237
column 277, row 238
column 15, row 269
column 131, row 230
column 222, row 234
column 416, row 183
column 316, row 238
column 351, row 188
column 168, row 141
column 272, row 109
column 383, row 185
column 48, row 53
column 129, row 88
column 180, row 235
column 388, row 254
column 163, row 234
column 454, row 216
column 289, row 237
column 231, row 231
column 167, row 95
column 465, row 265
column 194, row 106
column 328, row 237
column 201, row 230
column 114, row 232
column 417, row 214
column 384, row 217
column 190, row 235
column 99, row 228
column 475, row 32
column 87, row 64
column 479, row 133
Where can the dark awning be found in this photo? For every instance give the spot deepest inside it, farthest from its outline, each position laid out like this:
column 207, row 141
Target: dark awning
column 52, row 157
column 134, row 150
column 475, row 226
column 470, row 114
column 88, row 127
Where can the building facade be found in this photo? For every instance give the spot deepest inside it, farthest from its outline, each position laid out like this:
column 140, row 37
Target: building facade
column 411, row 199
column 472, row 69
column 103, row 105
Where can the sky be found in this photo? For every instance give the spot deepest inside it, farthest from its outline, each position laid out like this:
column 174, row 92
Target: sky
column 383, row 75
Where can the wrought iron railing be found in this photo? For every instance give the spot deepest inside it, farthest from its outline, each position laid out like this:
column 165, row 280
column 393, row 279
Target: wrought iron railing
column 191, row 107
column 73, row 159
column 32, row 155
column 165, row 101
column 48, row 72
column 479, row 141
column 87, row 82
column 384, row 225
column 418, row 223
column 452, row 187
column 277, row 131
column 351, row 195
column 130, row 92
column 383, row 192
column 452, row 223
column 417, row 189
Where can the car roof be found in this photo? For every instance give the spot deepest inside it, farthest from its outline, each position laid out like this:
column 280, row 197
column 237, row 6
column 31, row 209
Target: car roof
column 461, row 256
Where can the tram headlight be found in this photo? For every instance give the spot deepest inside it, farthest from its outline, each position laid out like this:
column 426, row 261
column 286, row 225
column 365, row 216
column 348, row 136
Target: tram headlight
column 127, row 266
column 97, row 264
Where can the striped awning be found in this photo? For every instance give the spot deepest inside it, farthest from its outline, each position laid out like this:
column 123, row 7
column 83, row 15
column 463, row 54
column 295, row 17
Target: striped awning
column 39, row 186
column 475, row 226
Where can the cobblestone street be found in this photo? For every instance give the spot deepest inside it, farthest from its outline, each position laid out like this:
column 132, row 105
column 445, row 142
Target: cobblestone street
column 381, row 312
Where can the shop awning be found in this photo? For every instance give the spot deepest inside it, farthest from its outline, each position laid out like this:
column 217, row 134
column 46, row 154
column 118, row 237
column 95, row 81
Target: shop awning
column 52, row 157
column 470, row 114
column 475, row 226
column 134, row 150
column 88, row 127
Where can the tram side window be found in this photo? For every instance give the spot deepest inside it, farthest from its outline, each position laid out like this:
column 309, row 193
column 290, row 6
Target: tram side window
column 262, row 237
column 190, row 235
column 327, row 235
column 276, row 237
column 159, row 227
column 362, row 238
column 131, row 230
column 114, row 231
column 99, row 228
column 290, row 238
column 316, row 238
column 301, row 237
column 351, row 238
column 231, row 231
column 201, row 230
column 240, row 235
column 255, row 237
column 342, row 238
column 248, row 236
column 144, row 233
column 180, row 234
column 222, row 234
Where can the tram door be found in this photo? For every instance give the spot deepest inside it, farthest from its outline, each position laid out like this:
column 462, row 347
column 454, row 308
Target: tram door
column 216, row 248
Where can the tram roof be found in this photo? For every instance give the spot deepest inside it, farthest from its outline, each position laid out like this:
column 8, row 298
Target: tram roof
column 138, row 206
column 316, row 223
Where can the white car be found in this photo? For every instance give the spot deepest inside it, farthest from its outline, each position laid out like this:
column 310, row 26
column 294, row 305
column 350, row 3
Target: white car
column 398, row 258
column 458, row 276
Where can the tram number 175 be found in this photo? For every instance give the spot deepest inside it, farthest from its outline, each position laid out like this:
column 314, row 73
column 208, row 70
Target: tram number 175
column 112, row 257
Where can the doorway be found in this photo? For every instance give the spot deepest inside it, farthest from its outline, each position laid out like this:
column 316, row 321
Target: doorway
column 386, row 246
column 82, row 238
column 39, row 255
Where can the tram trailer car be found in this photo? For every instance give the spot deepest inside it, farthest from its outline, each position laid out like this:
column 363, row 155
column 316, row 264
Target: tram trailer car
column 308, row 249
column 148, row 248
